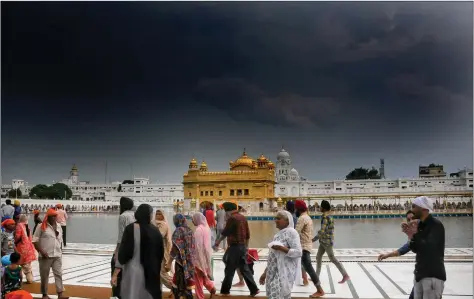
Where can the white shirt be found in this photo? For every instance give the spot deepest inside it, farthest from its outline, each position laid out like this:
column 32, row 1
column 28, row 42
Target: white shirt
column 50, row 241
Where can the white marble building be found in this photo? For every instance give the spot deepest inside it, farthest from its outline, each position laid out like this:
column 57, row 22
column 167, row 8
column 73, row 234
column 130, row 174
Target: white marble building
column 16, row 184
column 291, row 184
column 140, row 190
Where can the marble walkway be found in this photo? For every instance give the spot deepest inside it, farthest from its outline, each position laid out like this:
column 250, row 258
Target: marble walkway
column 89, row 266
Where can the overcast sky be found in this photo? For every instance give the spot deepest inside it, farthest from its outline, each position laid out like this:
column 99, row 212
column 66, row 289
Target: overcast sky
column 147, row 85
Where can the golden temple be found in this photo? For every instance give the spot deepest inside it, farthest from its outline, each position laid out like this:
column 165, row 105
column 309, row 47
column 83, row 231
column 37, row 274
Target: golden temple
column 247, row 180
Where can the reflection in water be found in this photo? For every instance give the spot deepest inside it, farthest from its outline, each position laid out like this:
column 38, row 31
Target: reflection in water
column 350, row 233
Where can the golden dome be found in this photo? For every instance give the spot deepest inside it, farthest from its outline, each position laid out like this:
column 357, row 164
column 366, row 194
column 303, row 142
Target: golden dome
column 193, row 164
column 244, row 160
column 279, row 199
column 262, row 158
column 203, row 164
column 271, row 165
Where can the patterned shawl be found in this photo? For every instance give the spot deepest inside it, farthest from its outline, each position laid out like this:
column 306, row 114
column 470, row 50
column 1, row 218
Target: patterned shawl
column 183, row 240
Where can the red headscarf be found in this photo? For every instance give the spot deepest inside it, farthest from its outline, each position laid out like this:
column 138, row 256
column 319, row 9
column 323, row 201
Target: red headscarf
column 36, row 212
column 8, row 222
column 300, row 205
column 49, row 213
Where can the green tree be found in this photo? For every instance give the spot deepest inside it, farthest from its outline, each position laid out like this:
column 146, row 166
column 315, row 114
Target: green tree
column 14, row 193
column 363, row 174
column 40, row 191
column 60, row 191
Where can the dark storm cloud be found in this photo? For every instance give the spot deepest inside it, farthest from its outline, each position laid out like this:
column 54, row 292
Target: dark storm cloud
column 95, row 79
column 386, row 57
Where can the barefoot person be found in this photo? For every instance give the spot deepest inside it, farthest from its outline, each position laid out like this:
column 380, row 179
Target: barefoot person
column 183, row 253
column 304, row 227
column 283, row 258
column 24, row 246
column 326, row 242
column 238, row 234
column 400, row 251
column 427, row 240
column 202, row 260
column 48, row 241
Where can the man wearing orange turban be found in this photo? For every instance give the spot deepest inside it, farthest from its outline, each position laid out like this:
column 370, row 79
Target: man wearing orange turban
column 48, row 241
column 8, row 237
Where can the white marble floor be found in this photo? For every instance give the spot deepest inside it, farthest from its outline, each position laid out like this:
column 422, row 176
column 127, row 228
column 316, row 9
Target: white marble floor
column 369, row 280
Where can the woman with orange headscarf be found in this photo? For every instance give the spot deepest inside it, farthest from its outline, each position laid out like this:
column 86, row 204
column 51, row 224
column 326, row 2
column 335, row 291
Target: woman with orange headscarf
column 25, row 247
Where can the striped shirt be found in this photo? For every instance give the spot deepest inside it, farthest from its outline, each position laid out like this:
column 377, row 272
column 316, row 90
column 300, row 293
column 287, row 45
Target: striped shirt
column 326, row 233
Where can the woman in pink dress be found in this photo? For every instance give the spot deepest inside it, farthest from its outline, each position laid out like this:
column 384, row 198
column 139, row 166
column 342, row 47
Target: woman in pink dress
column 25, row 247
column 202, row 260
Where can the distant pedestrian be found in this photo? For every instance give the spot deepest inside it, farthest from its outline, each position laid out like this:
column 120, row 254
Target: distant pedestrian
column 290, row 207
column 62, row 220
column 17, row 212
column 427, row 240
column 221, row 217
column 211, row 222
column 304, row 227
column 326, row 242
column 36, row 219
column 7, row 210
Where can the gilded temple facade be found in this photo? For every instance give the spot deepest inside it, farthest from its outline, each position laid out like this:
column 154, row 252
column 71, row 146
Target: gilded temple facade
column 247, row 180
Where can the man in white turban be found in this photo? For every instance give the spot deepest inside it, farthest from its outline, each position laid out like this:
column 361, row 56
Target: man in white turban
column 427, row 241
